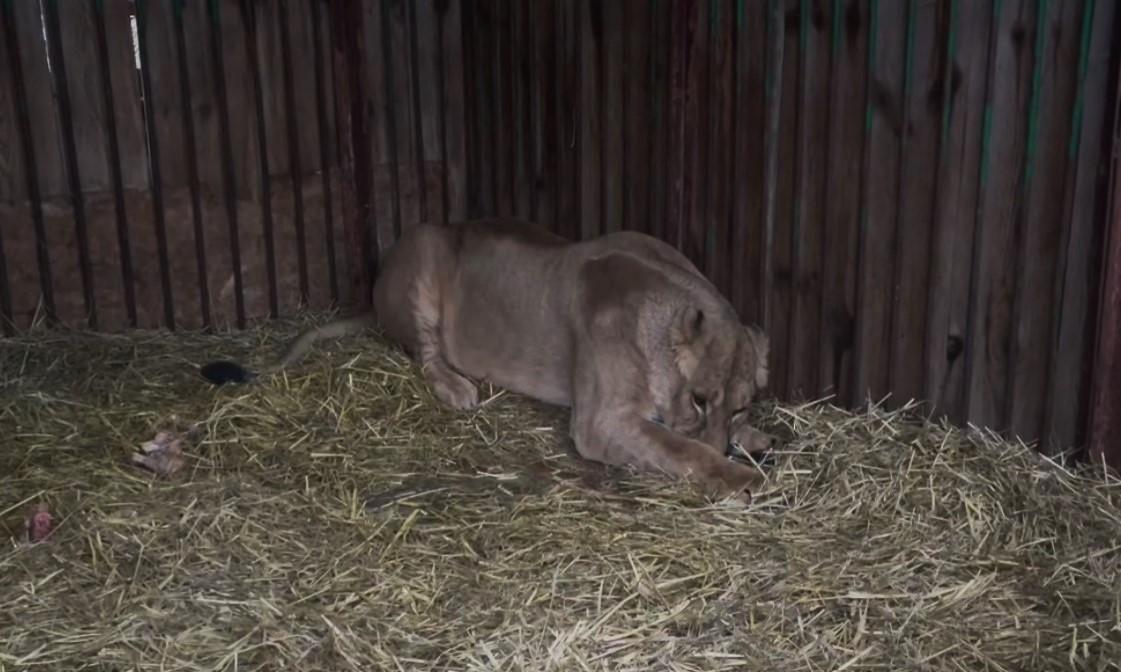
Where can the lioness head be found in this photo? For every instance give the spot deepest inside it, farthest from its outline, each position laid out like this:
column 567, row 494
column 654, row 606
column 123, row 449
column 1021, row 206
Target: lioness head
column 718, row 366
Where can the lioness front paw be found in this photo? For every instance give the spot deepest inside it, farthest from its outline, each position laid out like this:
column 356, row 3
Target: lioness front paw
column 738, row 481
column 456, row 391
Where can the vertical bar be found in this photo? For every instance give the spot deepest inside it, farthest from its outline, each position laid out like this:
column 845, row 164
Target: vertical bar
column 859, row 389
column 249, row 19
column 982, row 177
column 294, row 166
column 418, row 112
column 192, row 162
column 7, row 323
column 227, row 158
column 115, row 164
column 1064, row 251
column 774, row 105
column 391, row 119
column 19, row 93
column 1019, row 235
column 440, row 75
column 324, row 167
column 62, row 91
column 1105, row 404
column 897, row 230
column 936, row 200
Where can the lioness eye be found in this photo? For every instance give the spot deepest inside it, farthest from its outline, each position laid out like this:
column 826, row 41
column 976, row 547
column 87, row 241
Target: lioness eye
column 699, row 402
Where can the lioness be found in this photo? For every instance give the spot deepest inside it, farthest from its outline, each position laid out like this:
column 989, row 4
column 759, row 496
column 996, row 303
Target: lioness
column 624, row 330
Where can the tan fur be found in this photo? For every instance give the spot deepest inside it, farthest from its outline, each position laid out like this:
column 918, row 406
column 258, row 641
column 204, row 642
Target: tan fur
column 623, row 329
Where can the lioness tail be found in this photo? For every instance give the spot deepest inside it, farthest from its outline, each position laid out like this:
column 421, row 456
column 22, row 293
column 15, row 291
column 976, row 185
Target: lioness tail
column 220, row 372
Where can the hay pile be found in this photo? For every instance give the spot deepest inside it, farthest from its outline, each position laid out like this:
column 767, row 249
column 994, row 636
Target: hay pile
column 338, row 519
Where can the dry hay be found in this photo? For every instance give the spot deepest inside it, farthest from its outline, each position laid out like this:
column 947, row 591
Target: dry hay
column 486, row 545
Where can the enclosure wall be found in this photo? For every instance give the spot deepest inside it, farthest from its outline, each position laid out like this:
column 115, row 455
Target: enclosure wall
column 177, row 163
column 907, row 195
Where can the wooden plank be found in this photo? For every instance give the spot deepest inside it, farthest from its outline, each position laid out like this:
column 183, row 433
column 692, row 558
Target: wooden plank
column 815, row 23
column 878, row 226
column 1072, row 345
column 292, row 122
column 696, row 136
column 850, row 33
column 750, row 148
column 568, row 131
column 79, row 128
column 919, row 190
column 660, row 105
column 276, row 146
column 1105, row 400
column 154, row 26
column 545, row 120
column 990, row 323
column 349, row 25
column 785, row 192
column 590, row 163
column 402, row 118
column 454, row 119
column 426, row 100
column 238, row 72
column 20, row 291
column 113, row 157
column 638, row 115
column 682, row 28
column 225, row 142
column 963, row 87
column 613, row 155
column 717, row 184
column 261, row 187
column 1044, row 223
column 516, row 64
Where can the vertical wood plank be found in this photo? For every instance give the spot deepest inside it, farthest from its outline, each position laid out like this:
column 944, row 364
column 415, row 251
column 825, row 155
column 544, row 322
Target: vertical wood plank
column 19, row 282
column 69, row 233
column 721, row 144
column 1002, row 164
column 660, row 105
column 696, row 136
column 878, row 226
column 451, row 21
column 1044, row 223
column 544, row 86
column 426, row 102
column 568, row 131
column 919, row 190
column 785, row 192
column 1078, row 273
column 816, row 20
column 964, row 87
column 590, row 162
column 154, row 26
column 292, row 119
column 748, row 173
column 324, row 139
column 613, row 160
column 638, row 114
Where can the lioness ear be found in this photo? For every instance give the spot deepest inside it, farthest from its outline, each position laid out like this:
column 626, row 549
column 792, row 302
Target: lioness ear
column 687, row 326
column 762, row 347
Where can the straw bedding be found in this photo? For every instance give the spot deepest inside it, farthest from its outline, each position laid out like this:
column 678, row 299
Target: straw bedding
column 337, row 518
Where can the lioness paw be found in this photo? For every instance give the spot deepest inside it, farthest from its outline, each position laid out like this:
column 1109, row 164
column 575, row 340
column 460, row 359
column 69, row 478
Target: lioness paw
column 456, row 391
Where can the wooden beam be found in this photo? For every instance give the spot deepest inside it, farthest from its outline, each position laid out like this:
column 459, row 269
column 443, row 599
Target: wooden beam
column 1105, row 402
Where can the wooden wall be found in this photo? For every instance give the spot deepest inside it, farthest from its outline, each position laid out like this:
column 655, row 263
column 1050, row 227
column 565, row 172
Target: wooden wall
column 907, row 195
column 188, row 175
